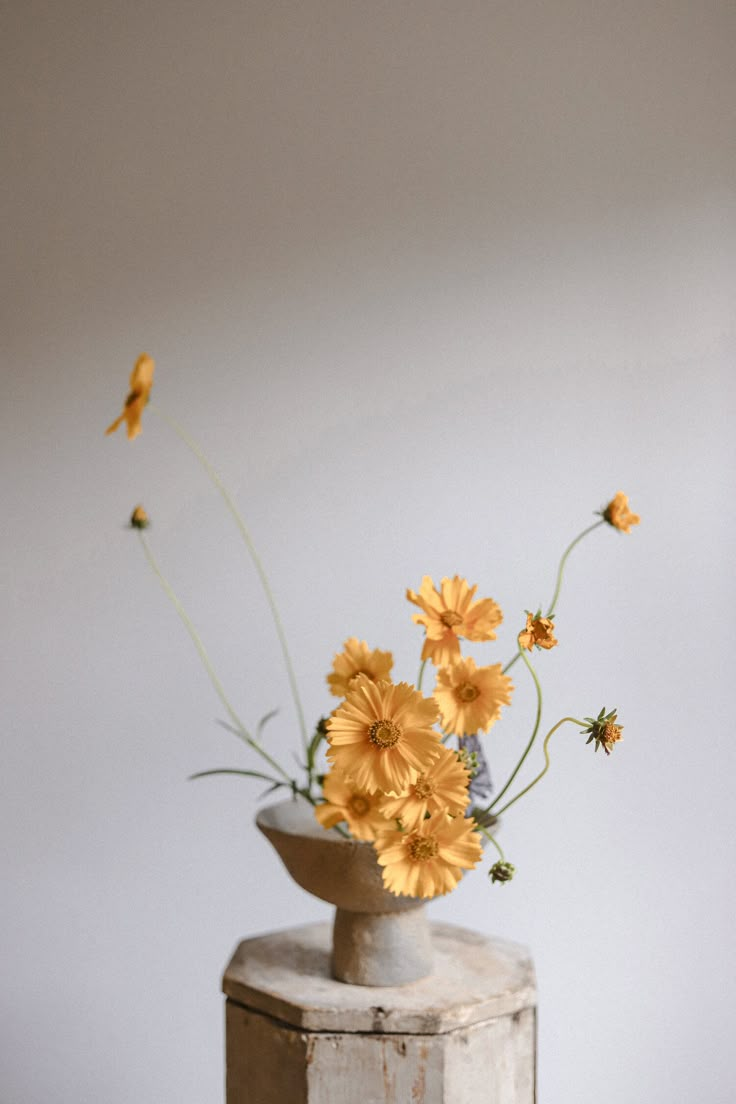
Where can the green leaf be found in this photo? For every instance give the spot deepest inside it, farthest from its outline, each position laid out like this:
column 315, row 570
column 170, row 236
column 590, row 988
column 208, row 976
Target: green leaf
column 264, row 721
column 233, row 770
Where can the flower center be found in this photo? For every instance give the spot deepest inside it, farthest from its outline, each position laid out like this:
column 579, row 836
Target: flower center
column 450, row 618
column 466, row 692
column 611, row 733
column 359, row 805
column 423, row 788
column 422, row 848
column 384, row 733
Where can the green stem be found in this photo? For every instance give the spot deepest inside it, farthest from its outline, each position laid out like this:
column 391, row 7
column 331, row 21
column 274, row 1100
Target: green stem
column 563, row 561
column 548, row 737
column 214, row 477
column 198, row 644
column 532, row 738
column 493, row 840
column 558, row 582
column 422, row 665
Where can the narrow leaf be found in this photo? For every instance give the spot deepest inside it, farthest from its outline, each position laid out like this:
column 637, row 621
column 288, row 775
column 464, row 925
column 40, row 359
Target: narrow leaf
column 264, row 721
column 232, row 770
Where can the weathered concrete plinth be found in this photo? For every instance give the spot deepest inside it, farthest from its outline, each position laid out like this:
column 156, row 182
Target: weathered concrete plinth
column 465, row 1035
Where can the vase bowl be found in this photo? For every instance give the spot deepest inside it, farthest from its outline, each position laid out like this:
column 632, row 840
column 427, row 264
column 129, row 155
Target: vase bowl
column 378, row 938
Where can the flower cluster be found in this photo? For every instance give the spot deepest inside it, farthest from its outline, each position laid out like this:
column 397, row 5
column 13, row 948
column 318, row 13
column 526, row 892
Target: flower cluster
column 395, row 783
column 407, row 770
column 386, row 753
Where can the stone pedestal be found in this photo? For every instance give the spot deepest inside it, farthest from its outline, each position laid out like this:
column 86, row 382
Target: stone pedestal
column 465, row 1035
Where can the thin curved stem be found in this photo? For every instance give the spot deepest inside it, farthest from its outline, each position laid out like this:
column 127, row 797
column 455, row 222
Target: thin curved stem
column 493, row 840
column 548, row 737
column 558, row 581
column 206, row 661
column 563, row 561
column 532, row 738
column 215, row 478
column 510, row 664
column 420, row 676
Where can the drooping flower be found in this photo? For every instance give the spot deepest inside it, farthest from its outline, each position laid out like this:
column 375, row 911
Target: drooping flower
column 618, row 514
column 441, row 788
column 603, row 730
column 470, row 697
column 429, row 861
column 139, row 518
column 141, row 382
column 344, row 801
column 450, row 613
column 358, row 659
column 381, row 736
column 539, row 631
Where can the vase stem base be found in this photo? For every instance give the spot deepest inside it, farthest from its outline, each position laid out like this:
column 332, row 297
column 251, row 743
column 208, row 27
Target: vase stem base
column 382, row 949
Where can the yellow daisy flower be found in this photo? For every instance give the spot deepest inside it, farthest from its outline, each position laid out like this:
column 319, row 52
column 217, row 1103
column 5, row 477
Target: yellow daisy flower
column 381, row 736
column 430, row 860
column 450, row 613
column 618, row 514
column 441, row 788
column 358, row 659
column 470, row 697
column 343, row 801
column 539, row 631
column 141, row 382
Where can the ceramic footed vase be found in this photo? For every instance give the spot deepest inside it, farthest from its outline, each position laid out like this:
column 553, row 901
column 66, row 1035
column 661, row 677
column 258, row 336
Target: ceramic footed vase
column 378, row 938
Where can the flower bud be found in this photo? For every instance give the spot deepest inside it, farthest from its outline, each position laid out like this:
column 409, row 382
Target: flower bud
column 502, row 871
column 139, row 518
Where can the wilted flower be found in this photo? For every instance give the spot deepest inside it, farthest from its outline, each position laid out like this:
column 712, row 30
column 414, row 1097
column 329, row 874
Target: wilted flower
column 141, row 382
column 539, row 631
column 603, row 730
column 618, row 514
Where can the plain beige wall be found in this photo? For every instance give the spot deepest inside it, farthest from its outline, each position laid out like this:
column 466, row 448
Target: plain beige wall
column 429, row 281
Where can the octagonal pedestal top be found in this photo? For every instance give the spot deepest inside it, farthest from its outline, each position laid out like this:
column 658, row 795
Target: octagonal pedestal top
column 287, row 975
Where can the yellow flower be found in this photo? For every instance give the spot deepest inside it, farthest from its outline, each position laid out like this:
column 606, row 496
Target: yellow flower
column 618, row 514
column 441, row 788
column 139, row 518
column 470, row 697
column 450, row 613
column 343, row 801
column 358, row 659
column 141, row 382
column 430, row 860
column 539, row 631
column 381, row 736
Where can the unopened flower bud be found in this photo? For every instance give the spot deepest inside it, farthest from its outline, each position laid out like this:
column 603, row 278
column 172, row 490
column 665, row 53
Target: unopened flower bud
column 502, row 871
column 139, row 518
